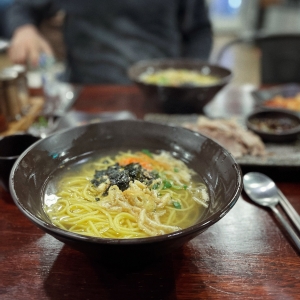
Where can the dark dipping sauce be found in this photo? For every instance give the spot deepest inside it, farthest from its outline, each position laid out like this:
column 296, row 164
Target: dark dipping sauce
column 274, row 125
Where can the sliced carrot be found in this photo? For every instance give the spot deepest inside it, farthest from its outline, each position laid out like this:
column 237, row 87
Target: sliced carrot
column 145, row 161
column 129, row 160
column 155, row 162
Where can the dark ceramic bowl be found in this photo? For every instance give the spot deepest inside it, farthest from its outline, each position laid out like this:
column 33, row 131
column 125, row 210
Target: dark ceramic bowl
column 182, row 99
column 277, row 126
column 11, row 147
column 34, row 170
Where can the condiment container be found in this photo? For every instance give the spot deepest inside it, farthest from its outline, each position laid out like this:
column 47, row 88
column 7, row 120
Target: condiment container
column 50, row 71
column 3, row 120
column 274, row 125
column 22, row 84
column 9, row 94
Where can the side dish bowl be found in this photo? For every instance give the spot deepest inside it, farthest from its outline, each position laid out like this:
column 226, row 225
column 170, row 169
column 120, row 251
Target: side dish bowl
column 277, row 126
column 36, row 166
column 11, row 147
column 179, row 99
column 285, row 96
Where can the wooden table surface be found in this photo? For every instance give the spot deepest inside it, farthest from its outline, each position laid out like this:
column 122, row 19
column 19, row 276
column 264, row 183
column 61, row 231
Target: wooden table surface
column 246, row 255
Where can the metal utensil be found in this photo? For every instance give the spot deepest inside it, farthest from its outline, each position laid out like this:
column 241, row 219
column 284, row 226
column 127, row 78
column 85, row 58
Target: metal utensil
column 268, row 185
column 290, row 210
column 262, row 193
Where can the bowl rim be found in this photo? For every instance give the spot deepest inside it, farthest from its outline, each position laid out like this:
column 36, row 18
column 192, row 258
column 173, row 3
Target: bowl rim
column 201, row 226
column 287, row 113
column 195, row 61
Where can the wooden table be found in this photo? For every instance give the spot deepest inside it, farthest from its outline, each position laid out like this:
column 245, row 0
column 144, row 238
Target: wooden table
column 246, row 255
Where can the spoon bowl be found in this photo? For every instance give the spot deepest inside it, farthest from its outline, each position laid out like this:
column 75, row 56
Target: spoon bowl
column 261, row 189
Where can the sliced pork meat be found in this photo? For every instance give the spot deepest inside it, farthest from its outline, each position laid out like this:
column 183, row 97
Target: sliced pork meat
column 231, row 135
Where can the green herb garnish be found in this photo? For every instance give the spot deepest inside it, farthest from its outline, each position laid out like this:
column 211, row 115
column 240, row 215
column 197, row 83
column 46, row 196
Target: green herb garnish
column 167, row 184
column 177, row 187
column 176, row 204
column 155, row 186
column 147, row 152
column 163, row 80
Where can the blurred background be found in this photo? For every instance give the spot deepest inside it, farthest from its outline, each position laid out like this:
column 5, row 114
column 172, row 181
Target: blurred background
column 235, row 24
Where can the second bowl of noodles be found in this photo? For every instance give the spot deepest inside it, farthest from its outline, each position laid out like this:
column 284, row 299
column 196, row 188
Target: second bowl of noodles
column 178, row 86
column 125, row 189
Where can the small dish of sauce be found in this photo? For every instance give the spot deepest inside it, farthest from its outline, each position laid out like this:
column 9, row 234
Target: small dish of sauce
column 274, row 125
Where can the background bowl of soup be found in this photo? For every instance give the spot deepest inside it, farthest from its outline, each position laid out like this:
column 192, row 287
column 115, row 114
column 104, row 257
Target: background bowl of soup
column 35, row 176
column 178, row 86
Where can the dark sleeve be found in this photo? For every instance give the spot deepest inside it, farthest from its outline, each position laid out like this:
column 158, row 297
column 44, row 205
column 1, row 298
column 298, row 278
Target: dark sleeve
column 196, row 29
column 23, row 12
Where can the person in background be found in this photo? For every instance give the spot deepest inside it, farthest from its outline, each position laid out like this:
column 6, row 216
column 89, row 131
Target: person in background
column 103, row 38
column 4, row 6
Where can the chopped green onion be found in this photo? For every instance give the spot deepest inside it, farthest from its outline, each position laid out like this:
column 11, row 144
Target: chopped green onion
column 167, row 184
column 163, row 80
column 147, row 152
column 155, row 186
column 176, row 170
column 177, row 187
column 176, row 204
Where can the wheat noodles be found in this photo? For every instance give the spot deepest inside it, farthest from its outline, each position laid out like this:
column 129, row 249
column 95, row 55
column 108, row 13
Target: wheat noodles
column 130, row 195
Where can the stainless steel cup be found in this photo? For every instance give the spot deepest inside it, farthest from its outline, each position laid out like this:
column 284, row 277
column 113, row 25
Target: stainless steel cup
column 22, row 85
column 3, row 120
column 9, row 94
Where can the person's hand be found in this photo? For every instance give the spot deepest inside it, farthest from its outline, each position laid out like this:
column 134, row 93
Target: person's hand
column 26, row 46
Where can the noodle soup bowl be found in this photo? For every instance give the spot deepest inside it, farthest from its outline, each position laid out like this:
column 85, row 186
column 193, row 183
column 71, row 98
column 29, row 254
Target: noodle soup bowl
column 34, row 177
column 183, row 98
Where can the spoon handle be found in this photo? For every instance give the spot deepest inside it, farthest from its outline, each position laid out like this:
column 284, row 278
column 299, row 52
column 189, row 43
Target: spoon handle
column 287, row 227
column 289, row 209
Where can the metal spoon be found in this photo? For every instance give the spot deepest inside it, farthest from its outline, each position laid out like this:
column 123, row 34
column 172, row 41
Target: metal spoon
column 268, row 185
column 262, row 193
